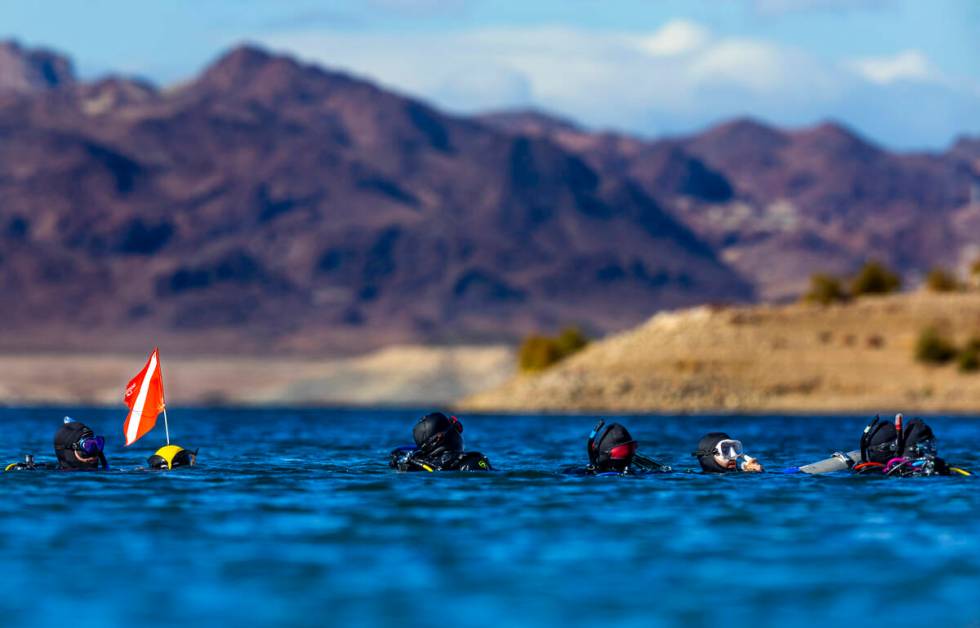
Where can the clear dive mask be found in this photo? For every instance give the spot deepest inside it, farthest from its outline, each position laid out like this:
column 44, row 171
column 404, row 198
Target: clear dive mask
column 728, row 449
column 923, row 449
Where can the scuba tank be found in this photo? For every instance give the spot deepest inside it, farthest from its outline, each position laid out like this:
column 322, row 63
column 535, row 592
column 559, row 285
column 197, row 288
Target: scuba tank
column 837, row 462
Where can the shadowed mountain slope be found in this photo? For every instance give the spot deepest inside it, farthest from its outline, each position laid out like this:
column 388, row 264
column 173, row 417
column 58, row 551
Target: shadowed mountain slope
column 271, row 205
column 819, row 198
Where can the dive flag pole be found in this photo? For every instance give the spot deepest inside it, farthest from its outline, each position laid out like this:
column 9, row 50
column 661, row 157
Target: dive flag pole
column 163, row 405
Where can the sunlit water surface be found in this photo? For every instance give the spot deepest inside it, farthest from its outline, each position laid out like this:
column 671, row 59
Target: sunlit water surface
column 293, row 518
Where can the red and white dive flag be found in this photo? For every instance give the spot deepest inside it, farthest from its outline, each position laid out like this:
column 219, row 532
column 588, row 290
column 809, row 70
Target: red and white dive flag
column 144, row 396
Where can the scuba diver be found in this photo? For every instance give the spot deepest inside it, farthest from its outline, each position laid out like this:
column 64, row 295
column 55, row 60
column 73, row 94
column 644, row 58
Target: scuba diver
column 719, row 453
column 438, row 447
column 170, row 457
column 614, row 452
column 76, row 447
column 904, row 451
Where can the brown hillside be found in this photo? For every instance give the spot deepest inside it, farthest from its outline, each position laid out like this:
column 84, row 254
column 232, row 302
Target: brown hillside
column 856, row 357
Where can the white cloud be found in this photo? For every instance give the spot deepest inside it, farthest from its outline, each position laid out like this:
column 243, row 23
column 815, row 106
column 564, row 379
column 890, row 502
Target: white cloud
column 763, row 68
column 908, row 65
column 674, row 38
column 677, row 78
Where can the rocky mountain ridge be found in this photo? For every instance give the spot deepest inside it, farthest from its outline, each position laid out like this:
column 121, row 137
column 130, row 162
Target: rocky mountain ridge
column 273, row 206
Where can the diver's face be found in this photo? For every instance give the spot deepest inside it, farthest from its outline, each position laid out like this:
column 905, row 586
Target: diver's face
column 85, row 459
column 725, row 462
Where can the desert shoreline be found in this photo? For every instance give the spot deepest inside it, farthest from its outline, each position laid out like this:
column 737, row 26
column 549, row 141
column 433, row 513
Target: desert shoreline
column 857, row 357
column 788, row 360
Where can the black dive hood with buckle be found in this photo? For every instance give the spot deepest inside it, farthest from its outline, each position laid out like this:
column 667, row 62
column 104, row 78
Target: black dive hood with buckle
column 614, row 450
column 66, row 445
column 880, row 442
column 437, row 433
column 918, row 440
column 706, row 452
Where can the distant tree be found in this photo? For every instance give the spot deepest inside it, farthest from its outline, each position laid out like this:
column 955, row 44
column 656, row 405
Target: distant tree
column 941, row 280
column 825, row 289
column 875, row 278
column 975, row 273
column 571, row 340
column 934, row 348
column 538, row 352
column 968, row 359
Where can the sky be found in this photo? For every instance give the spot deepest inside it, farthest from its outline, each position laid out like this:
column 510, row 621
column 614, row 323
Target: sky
column 903, row 73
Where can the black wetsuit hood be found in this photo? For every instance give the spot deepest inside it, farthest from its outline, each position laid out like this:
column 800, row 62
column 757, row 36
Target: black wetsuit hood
column 706, row 453
column 437, row 433
column 64, row 440
column 880, row 442
column 600, row 452
column 916, row 433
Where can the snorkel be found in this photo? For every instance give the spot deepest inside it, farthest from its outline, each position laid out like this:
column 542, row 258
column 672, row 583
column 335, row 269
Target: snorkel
column 899, row 460
column 899, row 438
column 590, row 445
column 866, row 437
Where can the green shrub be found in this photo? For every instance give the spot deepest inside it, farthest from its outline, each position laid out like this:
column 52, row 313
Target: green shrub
column 941, row 280
column 934, row 348
column 571, row 340
column 825, row 289
column 539, row 352
column 968, row 359
column 875, row 278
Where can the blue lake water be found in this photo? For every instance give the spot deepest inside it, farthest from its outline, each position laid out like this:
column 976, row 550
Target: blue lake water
column 293, row 518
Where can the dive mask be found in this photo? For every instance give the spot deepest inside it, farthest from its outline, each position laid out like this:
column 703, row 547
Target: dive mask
column 890, row 447
column 623, row 452
column 728, row 449
column 90, row 445
column 922, row 449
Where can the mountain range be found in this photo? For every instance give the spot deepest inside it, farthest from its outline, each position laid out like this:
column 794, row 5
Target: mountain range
column 267, row 205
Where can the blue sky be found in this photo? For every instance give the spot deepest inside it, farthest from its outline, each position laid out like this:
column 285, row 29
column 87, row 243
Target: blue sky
column 905, row 73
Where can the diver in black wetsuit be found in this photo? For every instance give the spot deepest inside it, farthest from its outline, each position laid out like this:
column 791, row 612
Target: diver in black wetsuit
column 903, row 451
column 76, row 447
column 438, row 447
column 719, row 453
column 614, row 452
column 171, row 457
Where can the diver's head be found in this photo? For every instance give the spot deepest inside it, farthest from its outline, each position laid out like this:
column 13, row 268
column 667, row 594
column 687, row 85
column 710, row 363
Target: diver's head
column 718, row 453
column 436, row 433
column 919, row 440
column 880, row 442
column 171, row 457
column 614, row 449
column 77, row 447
